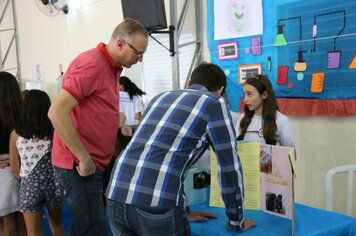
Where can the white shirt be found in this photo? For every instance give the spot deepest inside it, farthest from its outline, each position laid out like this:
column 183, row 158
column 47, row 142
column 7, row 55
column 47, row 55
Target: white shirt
column 31, row 152
column 130, row 107
column 254, row 131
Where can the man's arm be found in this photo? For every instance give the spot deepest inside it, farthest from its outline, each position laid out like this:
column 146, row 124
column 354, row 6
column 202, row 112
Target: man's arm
column 59, row 114
column 223, row 138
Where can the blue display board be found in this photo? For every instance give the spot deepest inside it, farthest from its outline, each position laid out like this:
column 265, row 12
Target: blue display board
column 326, row 55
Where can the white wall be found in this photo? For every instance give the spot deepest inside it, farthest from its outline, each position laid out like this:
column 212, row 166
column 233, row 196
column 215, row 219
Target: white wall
column 321, row 142
column 57, row 40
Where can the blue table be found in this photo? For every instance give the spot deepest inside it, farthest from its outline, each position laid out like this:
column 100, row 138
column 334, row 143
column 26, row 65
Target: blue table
column 308, row 221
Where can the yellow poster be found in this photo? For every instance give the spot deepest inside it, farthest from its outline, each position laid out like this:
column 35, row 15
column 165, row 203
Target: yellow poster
column 215, row 192
column 249, row 155
column 250, row 160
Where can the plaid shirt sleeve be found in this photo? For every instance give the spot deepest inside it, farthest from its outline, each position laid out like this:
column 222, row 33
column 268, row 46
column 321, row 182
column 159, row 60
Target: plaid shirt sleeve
column 223, row 138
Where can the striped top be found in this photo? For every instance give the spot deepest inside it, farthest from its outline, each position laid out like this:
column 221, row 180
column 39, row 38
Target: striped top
column 175, row 130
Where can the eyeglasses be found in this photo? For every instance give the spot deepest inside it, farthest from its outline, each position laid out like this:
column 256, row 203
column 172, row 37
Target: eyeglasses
column 138, row 53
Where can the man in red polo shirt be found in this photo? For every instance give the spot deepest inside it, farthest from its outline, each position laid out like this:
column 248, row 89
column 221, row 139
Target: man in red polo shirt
column 85, row 115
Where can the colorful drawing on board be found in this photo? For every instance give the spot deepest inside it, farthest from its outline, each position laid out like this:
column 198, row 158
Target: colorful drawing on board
column 245, row 71
column 256, row 45
column 228, row 51
column 300, row 76
column 317, row 83
column 237, row 18
column 334, row 60
column 353, row 64
column 282, row 77
column 237, row 13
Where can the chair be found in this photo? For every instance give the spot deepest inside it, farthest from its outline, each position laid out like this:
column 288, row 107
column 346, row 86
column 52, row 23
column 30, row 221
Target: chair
column 350, row 169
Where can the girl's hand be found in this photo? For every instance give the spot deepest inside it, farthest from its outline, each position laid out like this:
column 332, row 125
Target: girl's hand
column 126, row 131
column 4, row 164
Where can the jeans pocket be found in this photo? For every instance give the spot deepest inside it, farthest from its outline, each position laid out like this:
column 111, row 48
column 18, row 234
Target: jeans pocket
column 62, row 176
column 156, row 224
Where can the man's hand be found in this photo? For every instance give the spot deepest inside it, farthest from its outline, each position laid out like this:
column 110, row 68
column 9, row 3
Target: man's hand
column 201, row 216
column 247, row 225
column 86, row 167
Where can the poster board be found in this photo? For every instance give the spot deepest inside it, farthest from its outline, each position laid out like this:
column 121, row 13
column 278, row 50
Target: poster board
column 268, row 179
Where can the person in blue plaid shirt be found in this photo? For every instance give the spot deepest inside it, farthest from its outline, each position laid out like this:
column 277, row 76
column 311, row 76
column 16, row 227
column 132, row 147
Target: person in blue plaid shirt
column 145, row 193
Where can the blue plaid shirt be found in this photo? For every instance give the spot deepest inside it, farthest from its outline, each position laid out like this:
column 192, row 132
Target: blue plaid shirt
column 175, row 130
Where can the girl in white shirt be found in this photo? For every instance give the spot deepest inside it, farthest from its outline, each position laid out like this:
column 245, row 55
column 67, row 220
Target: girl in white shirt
column 131, row 108
column 262, row 122
column 130, row 101
column 30, row 158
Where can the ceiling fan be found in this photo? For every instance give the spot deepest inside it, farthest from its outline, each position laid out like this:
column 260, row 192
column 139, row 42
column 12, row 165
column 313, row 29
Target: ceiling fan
column 51, row 7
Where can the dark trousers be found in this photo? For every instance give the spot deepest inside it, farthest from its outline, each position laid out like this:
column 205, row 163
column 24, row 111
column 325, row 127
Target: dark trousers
column 130, row 220
column 84, row 196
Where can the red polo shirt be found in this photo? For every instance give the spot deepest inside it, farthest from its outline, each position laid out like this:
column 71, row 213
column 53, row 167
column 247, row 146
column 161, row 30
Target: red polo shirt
column 92, row 80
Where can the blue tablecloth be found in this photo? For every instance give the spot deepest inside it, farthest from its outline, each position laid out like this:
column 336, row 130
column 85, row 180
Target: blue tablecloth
column 308, row 221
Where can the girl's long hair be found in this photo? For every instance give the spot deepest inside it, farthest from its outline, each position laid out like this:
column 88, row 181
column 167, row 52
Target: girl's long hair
column 130, row 87
column 10, row 101
column 269, row 110
column 34, row 122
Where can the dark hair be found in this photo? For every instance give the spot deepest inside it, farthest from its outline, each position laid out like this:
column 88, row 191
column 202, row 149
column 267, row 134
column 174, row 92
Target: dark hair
column 269, row 111
column 24, row 92
column 34, row 122
column 130, row 87
column 209, row 75
column 10, row 101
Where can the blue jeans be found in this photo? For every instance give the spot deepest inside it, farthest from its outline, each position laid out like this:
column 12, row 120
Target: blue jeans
column 130, row 220
column 84, row 196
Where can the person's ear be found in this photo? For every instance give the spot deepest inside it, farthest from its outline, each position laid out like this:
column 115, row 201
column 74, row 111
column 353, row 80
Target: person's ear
column 220, row 90
column 264, row 95
column 120, row 43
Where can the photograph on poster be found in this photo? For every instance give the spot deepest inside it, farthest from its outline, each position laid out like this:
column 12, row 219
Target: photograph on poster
column 228, row 51
column 246, row 71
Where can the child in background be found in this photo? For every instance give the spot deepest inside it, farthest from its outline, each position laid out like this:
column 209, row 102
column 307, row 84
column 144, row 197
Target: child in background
column 11, row 221
column 30, row 157
column 262, row 122
column 131, row 107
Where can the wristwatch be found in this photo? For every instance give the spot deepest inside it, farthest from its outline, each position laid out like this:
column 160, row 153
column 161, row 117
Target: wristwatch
column 238, row 228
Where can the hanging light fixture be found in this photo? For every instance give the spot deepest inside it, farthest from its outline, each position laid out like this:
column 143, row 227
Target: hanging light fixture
column 280, row 38
column 300, row 65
